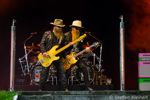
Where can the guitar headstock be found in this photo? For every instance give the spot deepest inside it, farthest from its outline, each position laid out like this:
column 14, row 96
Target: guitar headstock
column 95, row 44
column 81, row 37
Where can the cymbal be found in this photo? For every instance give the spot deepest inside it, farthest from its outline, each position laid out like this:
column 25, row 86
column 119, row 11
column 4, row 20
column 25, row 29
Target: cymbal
column 32, row 47
column 29, row 50
column 33, row 58
column 37, row 52
column 38, row 45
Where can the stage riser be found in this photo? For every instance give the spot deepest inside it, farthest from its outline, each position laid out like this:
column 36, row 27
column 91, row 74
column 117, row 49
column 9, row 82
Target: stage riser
column 86, row 95
column 66, row 97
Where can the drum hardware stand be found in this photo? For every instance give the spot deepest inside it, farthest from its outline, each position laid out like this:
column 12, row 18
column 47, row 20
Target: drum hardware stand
column 72, row 75
column 26, row 58
column 52, row 80
column 56, row 79
column 53, row 77
column 21, row 61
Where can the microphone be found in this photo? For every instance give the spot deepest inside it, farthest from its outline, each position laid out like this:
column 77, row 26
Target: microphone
column 87, row 32
column 34, row 33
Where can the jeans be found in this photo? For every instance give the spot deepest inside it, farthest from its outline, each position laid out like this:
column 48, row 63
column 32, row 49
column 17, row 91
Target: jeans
column 83, row 68
column 61, row 72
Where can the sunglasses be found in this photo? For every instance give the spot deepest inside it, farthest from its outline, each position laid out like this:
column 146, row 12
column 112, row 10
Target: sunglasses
column 77, row 28
column 58, row 26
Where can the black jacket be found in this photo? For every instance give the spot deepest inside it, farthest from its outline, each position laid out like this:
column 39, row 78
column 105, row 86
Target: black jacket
column 48, row 41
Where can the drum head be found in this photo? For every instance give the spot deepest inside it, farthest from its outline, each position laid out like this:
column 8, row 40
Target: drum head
column 35, row 74
column 80, row 77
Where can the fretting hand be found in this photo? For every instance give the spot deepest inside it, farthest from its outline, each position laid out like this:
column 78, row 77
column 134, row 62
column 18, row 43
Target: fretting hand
column 88, row 50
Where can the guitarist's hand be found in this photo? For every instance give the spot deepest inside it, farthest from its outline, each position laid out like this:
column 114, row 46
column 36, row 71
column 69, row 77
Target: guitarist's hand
column 45, row 54
column 70, row 44
column 88, row 50
column 68, row 57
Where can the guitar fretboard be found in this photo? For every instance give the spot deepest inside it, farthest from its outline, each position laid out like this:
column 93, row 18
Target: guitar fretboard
column 82, row 51
column 63, row 48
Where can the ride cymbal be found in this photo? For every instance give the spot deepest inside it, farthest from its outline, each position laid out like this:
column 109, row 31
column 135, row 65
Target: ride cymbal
column 37, row 52
column 33, row 58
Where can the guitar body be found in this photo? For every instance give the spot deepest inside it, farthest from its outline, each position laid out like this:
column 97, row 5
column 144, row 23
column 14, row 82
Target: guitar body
column 46, row 61
column 67, row 63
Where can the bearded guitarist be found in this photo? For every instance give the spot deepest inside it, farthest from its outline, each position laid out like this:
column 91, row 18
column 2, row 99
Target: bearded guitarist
column 77, row 47
column 50, row 39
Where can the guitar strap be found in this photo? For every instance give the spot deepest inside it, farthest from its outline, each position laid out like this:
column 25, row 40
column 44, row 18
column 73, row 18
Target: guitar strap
column 59, row 41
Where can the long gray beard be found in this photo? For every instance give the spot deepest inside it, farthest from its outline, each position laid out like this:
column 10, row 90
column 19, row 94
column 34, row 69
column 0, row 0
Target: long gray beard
column 58, row 33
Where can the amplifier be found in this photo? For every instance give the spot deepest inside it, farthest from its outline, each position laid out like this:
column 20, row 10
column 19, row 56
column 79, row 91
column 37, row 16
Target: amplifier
column 144, row 69
column 144, row 84
column 144, row 57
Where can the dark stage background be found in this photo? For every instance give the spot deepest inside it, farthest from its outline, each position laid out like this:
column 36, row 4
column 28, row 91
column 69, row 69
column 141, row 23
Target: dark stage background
column 101, row 18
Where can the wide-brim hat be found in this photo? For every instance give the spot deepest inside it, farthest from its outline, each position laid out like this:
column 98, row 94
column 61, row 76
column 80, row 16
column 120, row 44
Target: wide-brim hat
column 76, row 23
column 58, row 22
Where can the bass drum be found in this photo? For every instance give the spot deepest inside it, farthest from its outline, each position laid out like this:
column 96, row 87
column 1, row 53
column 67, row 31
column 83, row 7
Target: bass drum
column 35, row 74
column 79, row 77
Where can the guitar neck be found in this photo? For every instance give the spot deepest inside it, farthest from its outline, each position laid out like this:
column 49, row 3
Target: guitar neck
column 63, row 48
column 82, row 51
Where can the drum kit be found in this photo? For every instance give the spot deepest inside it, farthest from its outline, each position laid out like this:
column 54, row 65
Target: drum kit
column 31, row 66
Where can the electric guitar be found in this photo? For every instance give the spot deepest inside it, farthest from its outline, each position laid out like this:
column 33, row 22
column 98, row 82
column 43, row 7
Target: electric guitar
column 73, row 60
column 46, row 61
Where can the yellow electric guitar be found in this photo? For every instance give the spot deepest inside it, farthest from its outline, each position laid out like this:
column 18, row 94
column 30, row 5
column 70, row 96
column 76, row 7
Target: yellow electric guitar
column 73, row 56
column 46, row 61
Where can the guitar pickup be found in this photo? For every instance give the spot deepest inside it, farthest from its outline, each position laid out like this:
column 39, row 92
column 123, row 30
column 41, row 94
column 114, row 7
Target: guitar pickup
column 42, row 61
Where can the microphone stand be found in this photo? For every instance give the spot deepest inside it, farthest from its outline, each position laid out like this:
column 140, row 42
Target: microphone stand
column 26, row 51
column 93, row 37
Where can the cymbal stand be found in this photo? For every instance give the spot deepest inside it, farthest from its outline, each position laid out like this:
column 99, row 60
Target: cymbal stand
column 100, row 58
column 97, row 58
column 26, row 51
column 26, row 58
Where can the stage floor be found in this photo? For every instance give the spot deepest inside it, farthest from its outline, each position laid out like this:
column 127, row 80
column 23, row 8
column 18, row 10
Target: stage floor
column 58, row 87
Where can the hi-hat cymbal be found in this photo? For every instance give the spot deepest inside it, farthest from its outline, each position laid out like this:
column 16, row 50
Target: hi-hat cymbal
column 32, row 47
column 38, row 45
column 33, row 58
